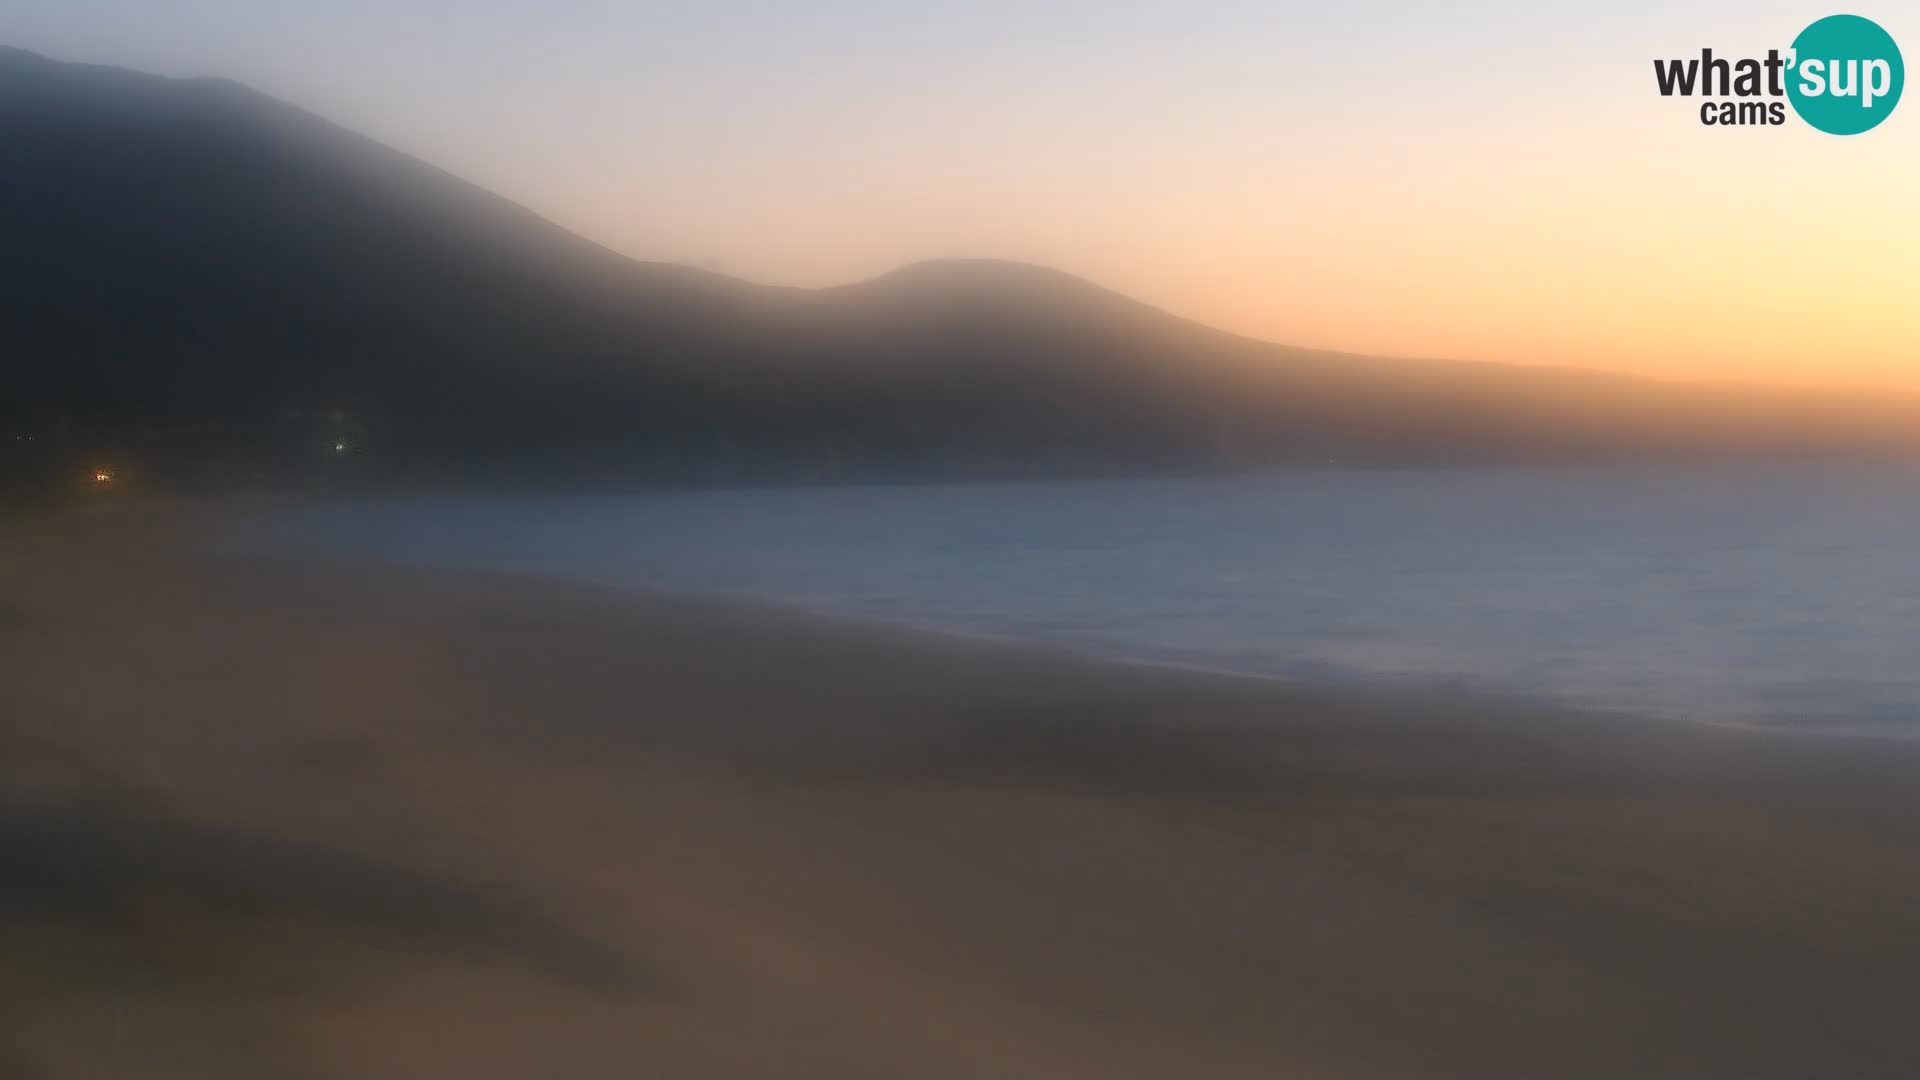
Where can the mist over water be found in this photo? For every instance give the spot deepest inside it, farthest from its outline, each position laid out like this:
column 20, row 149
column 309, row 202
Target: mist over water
column 1742, row 594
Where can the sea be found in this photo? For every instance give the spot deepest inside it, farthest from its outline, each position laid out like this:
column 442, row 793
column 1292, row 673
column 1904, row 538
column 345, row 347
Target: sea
column 1762, row 595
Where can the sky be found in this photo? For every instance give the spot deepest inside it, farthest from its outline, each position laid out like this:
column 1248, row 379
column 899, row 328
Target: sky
column 1494, row 181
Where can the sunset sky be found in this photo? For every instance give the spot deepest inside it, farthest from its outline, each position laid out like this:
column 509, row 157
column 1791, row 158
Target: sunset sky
column 1495, row 181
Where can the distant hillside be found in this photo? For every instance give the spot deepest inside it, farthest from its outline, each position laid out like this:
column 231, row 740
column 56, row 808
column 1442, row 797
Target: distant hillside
column 193, row 270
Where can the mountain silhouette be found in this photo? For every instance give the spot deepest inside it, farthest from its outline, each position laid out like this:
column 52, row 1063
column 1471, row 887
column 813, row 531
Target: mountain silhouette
column 193, row 269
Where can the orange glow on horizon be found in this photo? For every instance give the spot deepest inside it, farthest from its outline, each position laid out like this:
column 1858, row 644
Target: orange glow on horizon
column 1381, row 176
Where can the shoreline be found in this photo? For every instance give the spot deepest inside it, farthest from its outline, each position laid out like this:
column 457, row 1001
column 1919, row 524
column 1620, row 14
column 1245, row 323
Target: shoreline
column 302, row 818
column 1455, row 688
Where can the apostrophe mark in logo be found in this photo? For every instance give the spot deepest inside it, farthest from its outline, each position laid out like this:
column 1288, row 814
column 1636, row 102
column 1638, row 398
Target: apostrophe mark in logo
column 1846, row 74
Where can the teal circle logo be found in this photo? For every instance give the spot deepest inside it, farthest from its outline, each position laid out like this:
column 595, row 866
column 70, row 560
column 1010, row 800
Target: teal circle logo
column 1846, row 75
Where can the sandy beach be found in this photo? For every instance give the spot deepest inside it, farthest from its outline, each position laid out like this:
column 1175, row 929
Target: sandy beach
column 266, row 817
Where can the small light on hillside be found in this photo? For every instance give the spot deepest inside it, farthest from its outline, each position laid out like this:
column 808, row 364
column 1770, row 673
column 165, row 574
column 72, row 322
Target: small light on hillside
column 339, row 448
column 103, row 476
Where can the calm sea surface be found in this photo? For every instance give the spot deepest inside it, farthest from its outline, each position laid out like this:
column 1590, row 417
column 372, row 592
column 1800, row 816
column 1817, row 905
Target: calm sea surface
column 1761, row 595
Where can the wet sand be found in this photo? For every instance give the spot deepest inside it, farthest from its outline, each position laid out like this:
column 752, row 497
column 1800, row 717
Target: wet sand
column 287, row 818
